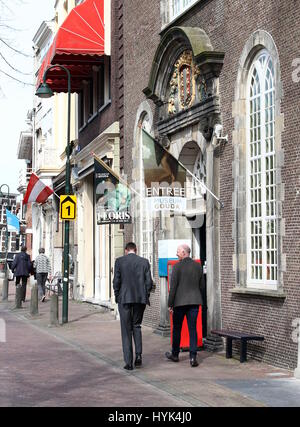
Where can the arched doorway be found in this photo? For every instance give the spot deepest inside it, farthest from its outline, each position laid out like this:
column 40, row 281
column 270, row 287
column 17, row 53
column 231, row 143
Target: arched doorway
column 193, row 159
column 184, row 86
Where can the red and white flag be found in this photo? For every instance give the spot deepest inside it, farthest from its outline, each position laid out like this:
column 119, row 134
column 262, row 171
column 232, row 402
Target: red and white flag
column 37, row 191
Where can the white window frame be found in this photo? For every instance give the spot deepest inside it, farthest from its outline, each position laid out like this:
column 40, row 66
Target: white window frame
column 183, row 6
column 263, row 283
column 144, row 212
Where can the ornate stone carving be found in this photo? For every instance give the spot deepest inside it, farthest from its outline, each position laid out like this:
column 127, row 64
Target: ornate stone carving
column 185, row 78
column 173, row 92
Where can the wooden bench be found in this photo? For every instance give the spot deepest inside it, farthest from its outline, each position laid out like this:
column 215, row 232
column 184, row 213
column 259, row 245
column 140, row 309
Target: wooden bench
column 234, row 335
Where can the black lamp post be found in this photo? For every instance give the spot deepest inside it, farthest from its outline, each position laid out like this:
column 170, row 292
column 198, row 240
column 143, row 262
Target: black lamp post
column 44, row 91
column 5, row 281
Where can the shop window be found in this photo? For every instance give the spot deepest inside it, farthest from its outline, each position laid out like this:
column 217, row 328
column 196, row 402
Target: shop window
column 262, row 251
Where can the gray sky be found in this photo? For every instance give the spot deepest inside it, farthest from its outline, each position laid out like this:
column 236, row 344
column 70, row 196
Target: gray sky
column 15, row 98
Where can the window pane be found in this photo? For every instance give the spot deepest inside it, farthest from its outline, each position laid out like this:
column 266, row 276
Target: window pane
column 262, row 170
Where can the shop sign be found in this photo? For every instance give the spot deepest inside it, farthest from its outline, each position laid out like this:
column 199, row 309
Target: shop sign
column 112, row 197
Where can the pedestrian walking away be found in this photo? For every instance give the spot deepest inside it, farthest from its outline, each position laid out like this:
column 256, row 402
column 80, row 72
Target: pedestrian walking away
column 186, row 295
column 21, row 267
column 42, row 267
column 132, row 285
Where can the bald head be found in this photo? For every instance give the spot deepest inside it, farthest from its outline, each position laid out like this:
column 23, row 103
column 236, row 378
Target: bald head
column 183, row 251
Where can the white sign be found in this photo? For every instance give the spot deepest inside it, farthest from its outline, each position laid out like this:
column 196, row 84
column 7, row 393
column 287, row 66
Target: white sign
column 177, row 204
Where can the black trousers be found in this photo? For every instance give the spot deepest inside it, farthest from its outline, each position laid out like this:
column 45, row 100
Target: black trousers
column 191, row 313
column 131, row 317
column 23, row 286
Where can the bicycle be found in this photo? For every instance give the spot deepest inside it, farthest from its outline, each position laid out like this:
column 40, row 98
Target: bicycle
column 54, row 285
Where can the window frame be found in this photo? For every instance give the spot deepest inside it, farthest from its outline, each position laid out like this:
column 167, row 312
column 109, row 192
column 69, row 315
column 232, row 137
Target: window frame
column 89, row 106
column 181, row 9
column 264, row 283
column 144, row 216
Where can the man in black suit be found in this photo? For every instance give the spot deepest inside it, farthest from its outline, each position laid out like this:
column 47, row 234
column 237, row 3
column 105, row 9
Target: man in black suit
column 186, row 295
column 132, row 285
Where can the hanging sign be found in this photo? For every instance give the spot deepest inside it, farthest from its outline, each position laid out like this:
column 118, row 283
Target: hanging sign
column 112, row 197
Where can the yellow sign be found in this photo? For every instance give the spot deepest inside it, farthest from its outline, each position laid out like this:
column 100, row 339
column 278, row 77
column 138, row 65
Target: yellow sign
column 68, row 205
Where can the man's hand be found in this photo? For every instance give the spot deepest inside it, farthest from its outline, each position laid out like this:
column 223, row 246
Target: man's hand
column 171, row 310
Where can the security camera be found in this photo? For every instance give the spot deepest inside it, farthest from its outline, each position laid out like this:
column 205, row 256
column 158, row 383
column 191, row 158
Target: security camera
column 218, row 129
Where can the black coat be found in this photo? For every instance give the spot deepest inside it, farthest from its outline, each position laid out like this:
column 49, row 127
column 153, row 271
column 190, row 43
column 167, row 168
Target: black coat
column 132, row 280
column 21, row 265
column 187, row 284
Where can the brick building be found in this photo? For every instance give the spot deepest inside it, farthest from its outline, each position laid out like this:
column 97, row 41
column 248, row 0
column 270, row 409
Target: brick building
column 191, row 66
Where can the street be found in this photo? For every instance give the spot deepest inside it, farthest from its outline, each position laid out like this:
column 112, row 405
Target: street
column 80, row 364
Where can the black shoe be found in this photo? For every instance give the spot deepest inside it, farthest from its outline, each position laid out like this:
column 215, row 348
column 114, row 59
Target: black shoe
column 193, row 362
column 138, row 360
column 128, row 367
column 172, row 357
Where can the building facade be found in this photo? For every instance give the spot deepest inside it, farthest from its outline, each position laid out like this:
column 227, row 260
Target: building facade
column 98, row 133
column 196, row 71
column 94, row 129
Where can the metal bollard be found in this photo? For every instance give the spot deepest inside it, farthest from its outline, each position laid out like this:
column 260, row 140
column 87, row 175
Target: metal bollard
column 54, row 310
column 18, row 300
column 34, row 304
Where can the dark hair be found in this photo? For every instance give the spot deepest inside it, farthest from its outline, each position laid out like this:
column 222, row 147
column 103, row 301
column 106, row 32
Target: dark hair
column 130, row 247
column 41, row 251
column 23, row 249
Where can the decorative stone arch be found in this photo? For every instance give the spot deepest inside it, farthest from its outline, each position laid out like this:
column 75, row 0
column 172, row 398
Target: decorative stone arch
column 260, row 40
column 174, row 42
column 208, row 62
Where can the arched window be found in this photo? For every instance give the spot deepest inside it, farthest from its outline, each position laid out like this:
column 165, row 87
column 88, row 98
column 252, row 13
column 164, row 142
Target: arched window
column 262, row 251
column 143, row 224
column 146, row 220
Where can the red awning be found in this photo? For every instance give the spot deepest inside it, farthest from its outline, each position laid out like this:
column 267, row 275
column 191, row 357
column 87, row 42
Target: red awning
column 78, row 45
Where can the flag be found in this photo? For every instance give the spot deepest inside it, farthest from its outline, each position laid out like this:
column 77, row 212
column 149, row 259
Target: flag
column 112, row 197
column 164, row 176
column 13, row 223
column 159, row 165
column 37, row 191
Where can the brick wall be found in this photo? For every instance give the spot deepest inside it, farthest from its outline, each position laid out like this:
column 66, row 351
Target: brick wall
column 141, row 24
column 229, row 24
